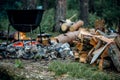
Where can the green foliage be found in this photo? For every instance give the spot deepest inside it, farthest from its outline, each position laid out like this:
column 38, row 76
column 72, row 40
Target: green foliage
column 92, row 19
column 106, row 9
column 73, row 4
column 18, row 63
column 109, row 10
column 70, row 13
column 48, row 20
column 79, row 70
column 4, row 24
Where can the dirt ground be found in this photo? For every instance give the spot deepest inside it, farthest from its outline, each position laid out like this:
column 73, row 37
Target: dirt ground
column 30, row 70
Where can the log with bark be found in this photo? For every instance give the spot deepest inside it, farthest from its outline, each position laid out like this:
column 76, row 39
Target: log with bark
column 66, row 25
column 104, row 64
column 114, row 54
column 76, row 25
column 67, row 37
column 117, row 41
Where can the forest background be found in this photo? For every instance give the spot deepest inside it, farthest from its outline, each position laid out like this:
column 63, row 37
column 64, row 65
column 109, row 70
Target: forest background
column 86, row 10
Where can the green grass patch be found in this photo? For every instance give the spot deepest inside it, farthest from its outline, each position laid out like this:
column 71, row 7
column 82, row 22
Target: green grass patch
column 79, row 70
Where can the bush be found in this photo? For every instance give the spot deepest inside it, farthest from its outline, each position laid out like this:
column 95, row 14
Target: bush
column 92, row 19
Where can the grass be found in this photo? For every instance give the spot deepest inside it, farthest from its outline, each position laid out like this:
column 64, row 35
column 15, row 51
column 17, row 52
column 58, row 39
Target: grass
column 18, row 63
column 79, row 70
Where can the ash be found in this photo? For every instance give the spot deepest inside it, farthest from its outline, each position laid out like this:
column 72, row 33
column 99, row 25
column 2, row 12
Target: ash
column 36, row 51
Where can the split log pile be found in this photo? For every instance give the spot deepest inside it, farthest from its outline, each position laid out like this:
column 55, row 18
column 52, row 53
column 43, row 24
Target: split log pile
column 93, row 46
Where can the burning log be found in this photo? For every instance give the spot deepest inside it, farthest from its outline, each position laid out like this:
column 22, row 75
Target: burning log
column 20, row 36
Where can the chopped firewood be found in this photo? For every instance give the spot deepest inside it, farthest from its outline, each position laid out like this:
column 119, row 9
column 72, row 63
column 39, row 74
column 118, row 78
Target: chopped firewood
column 83, row 57
column 92, row 31
column 101, row 33
column 103, row 63
column 103, row 55
column 67, row 37
column 105, row 39
column 93, row 49
column 93, row 42
column 98, row 45
column 66, row 25
column 117, row 41
column 79, row 46
column 114, row 54
column 98, row 52
column 83, row 31
column 82, row 44
column 76, row 55
column 76, row 25
column 90, row 52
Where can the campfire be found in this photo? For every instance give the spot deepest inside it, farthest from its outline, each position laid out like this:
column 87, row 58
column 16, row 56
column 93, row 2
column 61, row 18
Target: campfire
column 94, row 46
column 21, row 36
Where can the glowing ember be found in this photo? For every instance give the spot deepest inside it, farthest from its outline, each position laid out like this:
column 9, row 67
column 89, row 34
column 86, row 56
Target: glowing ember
column 21, row 43
column 18, row 44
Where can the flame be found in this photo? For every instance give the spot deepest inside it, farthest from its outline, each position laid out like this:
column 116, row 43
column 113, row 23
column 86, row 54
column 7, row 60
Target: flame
column 22, row 36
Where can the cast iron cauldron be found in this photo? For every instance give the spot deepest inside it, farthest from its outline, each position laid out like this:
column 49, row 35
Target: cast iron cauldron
column 25, row 20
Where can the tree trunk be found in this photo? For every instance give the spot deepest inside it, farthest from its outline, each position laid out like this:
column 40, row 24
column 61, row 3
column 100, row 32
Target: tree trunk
column 45, row 4
column 119, row 27
column 91, row 6
column 60, row 12
column 84, row 11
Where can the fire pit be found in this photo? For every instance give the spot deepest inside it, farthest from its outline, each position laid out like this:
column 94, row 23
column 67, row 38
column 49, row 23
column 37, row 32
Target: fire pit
column 24, row 20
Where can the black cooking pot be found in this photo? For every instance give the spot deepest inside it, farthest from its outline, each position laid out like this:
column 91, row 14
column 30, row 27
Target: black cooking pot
column 25, row 20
